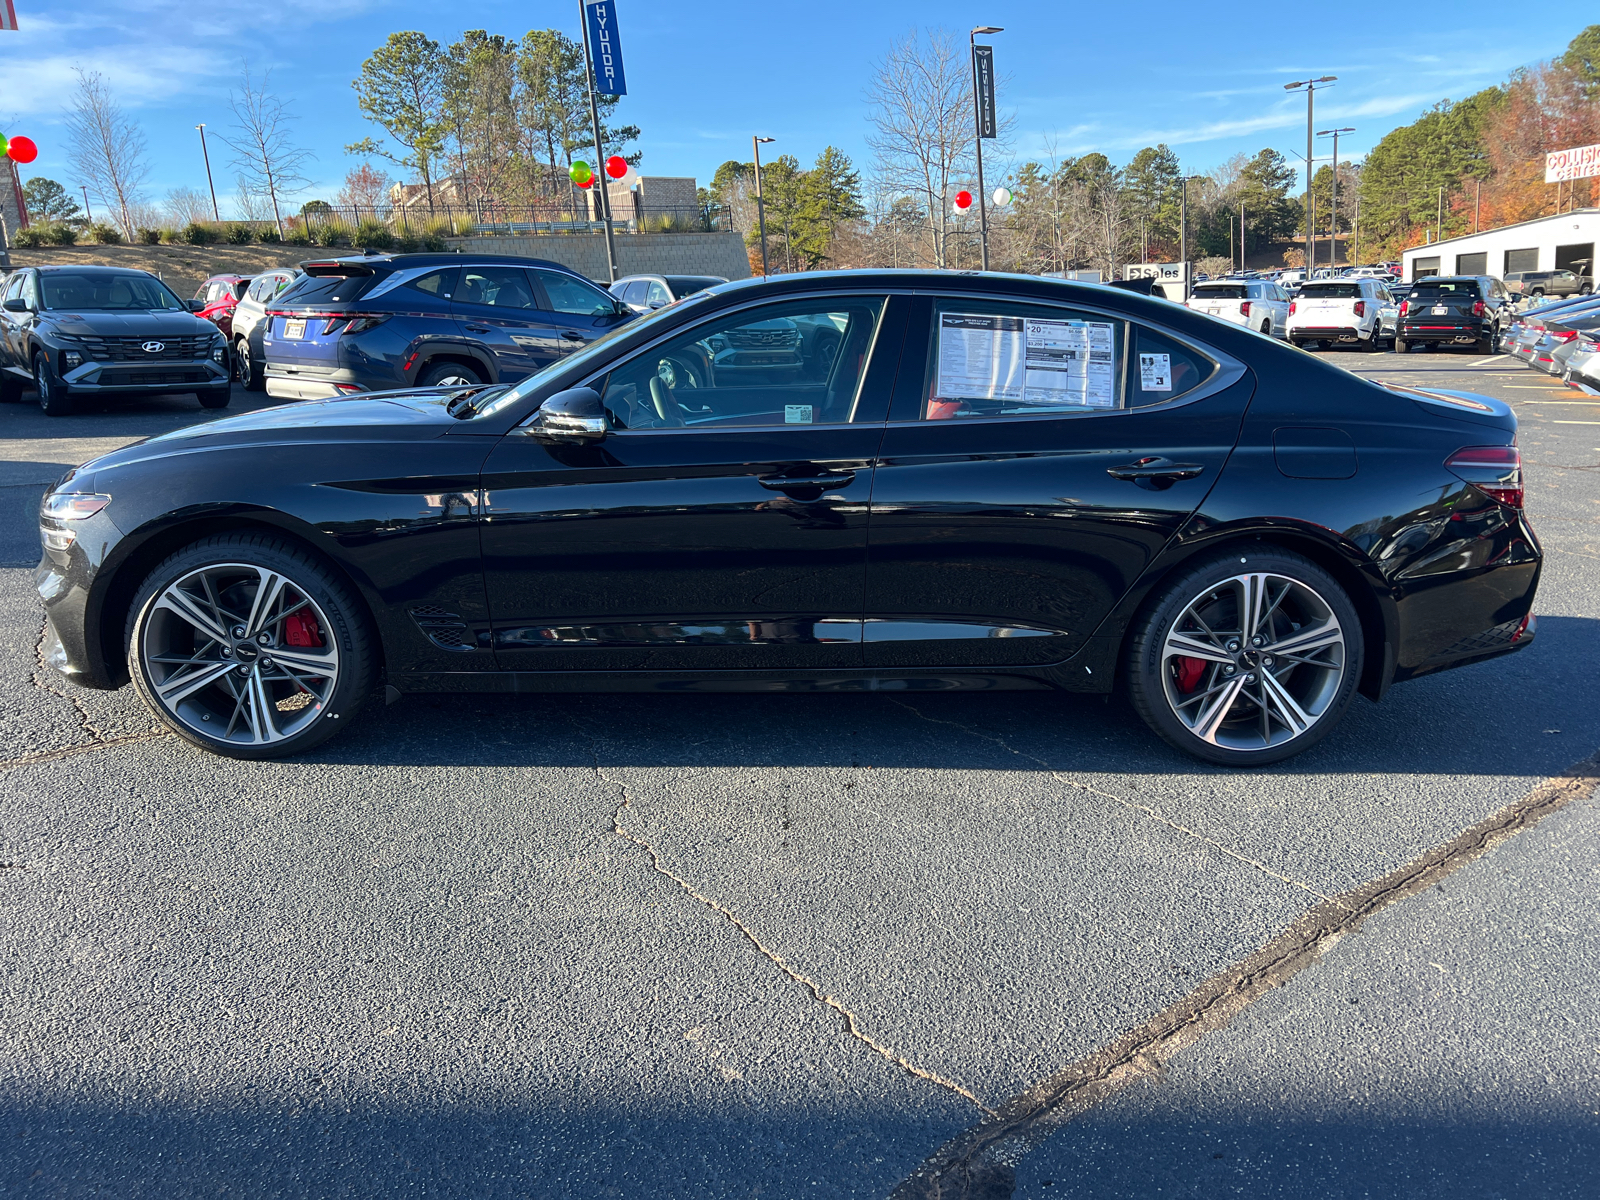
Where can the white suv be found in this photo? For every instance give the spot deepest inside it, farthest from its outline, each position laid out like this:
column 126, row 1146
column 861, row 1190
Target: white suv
column 1254, row 303
column 1351, row 311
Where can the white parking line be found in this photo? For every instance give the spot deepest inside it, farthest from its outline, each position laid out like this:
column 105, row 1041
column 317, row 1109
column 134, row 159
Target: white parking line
column 1530, row 400
column 1575, row 422
column 1484, row 362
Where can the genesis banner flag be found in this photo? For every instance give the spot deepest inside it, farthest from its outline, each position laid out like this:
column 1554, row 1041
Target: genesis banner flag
column 605, row 49
column 983, row 70
column 8, row 14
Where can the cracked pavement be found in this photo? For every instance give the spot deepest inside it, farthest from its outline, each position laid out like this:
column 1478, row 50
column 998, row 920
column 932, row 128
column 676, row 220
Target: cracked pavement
column 783, row 946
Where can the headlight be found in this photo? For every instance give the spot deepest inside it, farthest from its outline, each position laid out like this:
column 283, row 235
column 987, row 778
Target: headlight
column 63, row 507
column 219, row 354
column 71, row 359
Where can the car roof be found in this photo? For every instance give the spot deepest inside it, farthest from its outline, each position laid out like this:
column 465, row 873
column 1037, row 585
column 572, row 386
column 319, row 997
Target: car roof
column 441, row 260
column 96, row 268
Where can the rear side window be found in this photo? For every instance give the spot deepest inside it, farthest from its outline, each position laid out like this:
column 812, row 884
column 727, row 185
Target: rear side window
column 993, row 359
column 569, row 294
column 1331, row 291
column 440, row 284
column 1163, row 368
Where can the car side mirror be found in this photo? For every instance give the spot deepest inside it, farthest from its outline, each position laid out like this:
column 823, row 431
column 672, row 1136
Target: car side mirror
column 197, row 306
column 17, row 305
column 575, row 416
column 621, row 309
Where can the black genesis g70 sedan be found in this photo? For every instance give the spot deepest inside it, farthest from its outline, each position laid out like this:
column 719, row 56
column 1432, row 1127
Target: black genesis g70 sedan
column 824, row 482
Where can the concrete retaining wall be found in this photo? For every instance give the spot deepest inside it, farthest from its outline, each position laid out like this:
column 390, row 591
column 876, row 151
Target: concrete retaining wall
column 640, row 253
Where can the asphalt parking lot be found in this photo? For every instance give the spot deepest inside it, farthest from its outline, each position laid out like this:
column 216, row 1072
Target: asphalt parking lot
column 810, row 946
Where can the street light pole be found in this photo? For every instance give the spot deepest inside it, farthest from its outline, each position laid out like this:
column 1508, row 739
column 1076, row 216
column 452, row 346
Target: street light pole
column 761, row 212
column 1333, row 221
column 206, row 154
column 88, row 212
column 1310, row 86
column 1183, row 233
column 977, row 120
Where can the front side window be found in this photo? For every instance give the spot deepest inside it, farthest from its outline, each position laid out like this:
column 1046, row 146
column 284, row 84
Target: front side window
column 996, row 359
column 571, row 295
column 658, row 293
column 14, row 288
column 636, row 292
column 500, row 287
column 796, row 363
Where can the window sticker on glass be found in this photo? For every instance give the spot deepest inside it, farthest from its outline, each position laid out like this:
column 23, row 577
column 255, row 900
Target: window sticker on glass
column 1069, row 363
column 1155, row 372
column 1026, row 361
column 798, row 414
column 980, row 356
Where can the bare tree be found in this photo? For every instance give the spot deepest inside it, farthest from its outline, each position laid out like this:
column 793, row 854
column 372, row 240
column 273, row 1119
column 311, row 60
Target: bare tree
column 186, row 206
column 921, row 126
column 106, row 147
column 268, row 161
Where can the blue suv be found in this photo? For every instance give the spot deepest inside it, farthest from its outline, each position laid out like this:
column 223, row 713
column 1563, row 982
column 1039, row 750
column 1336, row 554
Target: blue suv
column 382, row 321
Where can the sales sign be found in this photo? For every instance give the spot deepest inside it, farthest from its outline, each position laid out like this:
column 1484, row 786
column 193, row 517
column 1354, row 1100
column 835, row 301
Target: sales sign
column 1563, row 165
column 983, row 69
column 605, row 49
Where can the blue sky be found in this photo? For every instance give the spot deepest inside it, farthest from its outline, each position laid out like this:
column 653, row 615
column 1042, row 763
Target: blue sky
column 1205, row 79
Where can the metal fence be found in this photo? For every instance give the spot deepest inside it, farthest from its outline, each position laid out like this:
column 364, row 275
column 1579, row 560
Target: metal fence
column 447, row 220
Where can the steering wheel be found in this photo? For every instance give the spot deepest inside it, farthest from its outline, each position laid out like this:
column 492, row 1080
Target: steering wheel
column 667, row 409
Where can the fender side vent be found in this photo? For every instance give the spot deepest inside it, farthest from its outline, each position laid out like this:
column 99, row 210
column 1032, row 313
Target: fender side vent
column 445, row 630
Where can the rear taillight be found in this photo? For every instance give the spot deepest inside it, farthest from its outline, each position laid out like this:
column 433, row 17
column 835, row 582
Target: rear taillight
column 1244, row 308
column 1563, row 337
column 1361, row 308
column 352, row 322
column 1405, row 307
column 1495, row 471
column 1292, row 303
column 1478, row 308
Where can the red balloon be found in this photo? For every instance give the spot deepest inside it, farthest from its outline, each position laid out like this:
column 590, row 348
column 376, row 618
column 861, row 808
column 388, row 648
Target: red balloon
column 616, row 166
column 589, row 182
column 22, row 150
column 963, row 200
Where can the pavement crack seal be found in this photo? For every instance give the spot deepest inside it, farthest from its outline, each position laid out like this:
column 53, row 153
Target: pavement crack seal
column 98, row 738
column 1132, row 805
column 851, row 1023
column 980, row 1162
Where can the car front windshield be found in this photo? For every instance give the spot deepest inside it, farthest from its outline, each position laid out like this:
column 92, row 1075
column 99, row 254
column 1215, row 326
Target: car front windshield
column 95, row 292
column 596, row 349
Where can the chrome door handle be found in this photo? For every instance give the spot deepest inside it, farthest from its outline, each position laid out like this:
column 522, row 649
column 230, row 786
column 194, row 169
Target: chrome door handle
column 1155, row 473
column 572, row 335
column 477, row 328
column 824, row 483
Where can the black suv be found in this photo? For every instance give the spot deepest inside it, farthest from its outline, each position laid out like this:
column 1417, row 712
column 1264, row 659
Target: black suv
column 77, row 331
column 1458, row 310
column 383, row 321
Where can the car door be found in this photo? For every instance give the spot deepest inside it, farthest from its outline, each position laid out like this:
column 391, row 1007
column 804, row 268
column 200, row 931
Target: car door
column 497, row 306
column 578, row 311
column 1037, row 460
column 1280, row 310
column 721, row 523
column 9, row 324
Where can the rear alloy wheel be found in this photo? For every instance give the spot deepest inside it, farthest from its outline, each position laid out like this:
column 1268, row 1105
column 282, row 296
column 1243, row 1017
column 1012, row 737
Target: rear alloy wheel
column 1247, row 659
column 247, row 647
column 449, row 375
column 53, row 395
column 249, row 369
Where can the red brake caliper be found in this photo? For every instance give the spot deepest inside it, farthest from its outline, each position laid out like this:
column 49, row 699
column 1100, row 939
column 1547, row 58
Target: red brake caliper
column 1189, row 672
column 301, row 629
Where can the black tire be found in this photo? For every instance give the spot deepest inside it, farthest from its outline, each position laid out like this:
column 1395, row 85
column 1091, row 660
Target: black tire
column 1251, row 729
column 215, row 397
column 289, row 712
column 1485, row 344
column 1374, row 344
column 53, row 395
column 450, row 374
column 1401, row 346
column 248, row 369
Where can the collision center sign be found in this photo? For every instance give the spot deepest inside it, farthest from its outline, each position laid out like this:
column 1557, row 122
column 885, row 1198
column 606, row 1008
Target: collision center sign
column 1563, row 165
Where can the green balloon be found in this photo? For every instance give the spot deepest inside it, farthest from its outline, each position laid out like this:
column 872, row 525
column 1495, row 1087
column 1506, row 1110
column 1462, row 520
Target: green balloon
column 3, row 145
column 579, row 171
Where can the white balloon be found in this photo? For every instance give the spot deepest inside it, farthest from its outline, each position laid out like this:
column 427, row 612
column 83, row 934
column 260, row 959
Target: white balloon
column 1002, row 197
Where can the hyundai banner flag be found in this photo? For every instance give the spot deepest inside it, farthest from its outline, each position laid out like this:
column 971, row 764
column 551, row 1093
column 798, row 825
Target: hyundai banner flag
column 605, row 49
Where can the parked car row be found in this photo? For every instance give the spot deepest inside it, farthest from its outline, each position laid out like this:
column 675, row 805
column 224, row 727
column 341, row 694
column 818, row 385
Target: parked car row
column 1560, row 338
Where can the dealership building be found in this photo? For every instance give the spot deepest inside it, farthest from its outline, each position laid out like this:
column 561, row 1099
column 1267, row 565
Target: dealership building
column 1562, row 242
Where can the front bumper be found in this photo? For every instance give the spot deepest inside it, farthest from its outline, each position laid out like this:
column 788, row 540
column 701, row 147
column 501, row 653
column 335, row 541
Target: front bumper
column 184, row 375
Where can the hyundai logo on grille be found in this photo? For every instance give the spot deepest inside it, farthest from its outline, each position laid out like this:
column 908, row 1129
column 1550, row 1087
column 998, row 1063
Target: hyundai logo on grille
column 154, row 347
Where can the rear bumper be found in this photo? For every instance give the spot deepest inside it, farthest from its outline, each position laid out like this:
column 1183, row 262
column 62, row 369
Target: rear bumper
column 312, row 383
column 1460, row 333
column 1313, row 333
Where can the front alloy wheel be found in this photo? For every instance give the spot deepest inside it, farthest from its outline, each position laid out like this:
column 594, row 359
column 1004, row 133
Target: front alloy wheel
column 1248, row 661
column 254, row 652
